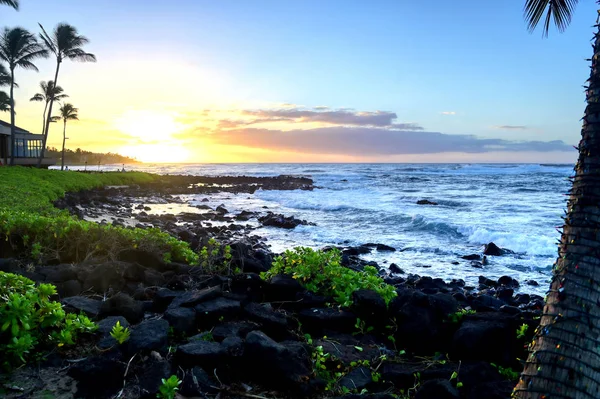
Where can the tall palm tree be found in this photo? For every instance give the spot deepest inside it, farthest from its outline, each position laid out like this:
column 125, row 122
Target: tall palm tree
column 48, row 93
column 66, row 44
column 564, row 358
column 12, row 3
column 67, row 113
column 18, row 48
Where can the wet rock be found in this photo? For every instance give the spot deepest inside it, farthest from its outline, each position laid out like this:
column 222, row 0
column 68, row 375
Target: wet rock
column 91, row 307
column 182, row 320
column 245, row 215
column 200, row 353
column 486, row 303
column 123, row 305
column 222, row 210
column 471, row 257
column 493, row 250
column 532, row 283
column 426, row 202
column 508, row 281
column 437, row 389
column 278, row 220
column 355, row 251
column 147, row 336
column 487, row 282
column 394, row 268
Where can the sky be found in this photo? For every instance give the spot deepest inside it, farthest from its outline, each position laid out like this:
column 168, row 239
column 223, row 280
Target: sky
column 314, row 81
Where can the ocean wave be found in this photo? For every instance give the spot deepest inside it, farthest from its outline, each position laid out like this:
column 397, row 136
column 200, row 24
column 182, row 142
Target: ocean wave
column 523, row 243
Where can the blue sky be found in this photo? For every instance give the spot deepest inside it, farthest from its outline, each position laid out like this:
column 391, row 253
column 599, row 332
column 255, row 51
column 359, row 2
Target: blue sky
column 473, row 60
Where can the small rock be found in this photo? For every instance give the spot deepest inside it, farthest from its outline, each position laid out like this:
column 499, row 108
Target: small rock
column 90, row 307
column 426, row 202
column 148, row 335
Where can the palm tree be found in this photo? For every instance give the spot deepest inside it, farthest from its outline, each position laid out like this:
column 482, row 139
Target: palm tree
column 18, row 48
column 564, row 358
column 48, row 93
column 66, row 44
column 13, row 3
column 67, row 113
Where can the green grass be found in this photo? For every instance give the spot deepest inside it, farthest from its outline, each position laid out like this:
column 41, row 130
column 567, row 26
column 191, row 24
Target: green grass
column 32, row 225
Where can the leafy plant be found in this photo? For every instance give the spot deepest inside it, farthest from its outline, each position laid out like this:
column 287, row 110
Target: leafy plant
column 457, row 317
column 522, row 331
column 507, row 372
column 169, row 387
column 321, row 272
column 29, row 319
column 119, row 333
column 216, row 259
column 361, row 327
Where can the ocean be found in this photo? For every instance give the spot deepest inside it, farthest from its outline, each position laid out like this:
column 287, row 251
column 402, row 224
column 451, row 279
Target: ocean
column 516, row 206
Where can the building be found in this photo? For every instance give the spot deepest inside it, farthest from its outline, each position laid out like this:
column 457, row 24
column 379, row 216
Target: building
column 27, row 147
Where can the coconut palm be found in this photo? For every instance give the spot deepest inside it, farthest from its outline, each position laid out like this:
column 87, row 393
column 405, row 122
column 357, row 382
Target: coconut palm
column 66, row 44
column 67, row 113
column 18, row 48
column 47, row 94
column 564, row 359
column 12, row 3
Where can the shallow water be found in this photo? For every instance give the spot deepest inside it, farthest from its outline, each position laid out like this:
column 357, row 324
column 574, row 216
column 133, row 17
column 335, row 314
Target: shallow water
column 517, row 206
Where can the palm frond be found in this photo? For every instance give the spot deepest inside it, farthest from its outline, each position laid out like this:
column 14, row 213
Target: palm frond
column 68, row 112
column 19, row 48
column 66, row 42
column 37, row 97
column 80, row 55
column 558, row 10
column 4, row 76
column 4, row 102
column 12, row 3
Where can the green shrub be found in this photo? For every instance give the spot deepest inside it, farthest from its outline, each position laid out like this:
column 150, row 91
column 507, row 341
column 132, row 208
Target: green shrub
column 31, row 224
column 29, row 319
column 169, row 387
column 322, row 273
column 216, row 259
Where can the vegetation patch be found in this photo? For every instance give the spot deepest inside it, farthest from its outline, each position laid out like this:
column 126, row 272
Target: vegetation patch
column 31, row 224
column 29, row 319
column 322, row 272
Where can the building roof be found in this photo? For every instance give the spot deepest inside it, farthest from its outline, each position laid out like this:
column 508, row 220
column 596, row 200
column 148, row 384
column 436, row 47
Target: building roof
column 17, row 129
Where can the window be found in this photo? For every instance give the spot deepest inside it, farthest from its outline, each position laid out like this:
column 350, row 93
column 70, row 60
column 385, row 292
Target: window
column 27, row 148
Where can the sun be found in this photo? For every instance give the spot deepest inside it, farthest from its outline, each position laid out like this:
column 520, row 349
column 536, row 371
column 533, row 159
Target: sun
column 148, row 126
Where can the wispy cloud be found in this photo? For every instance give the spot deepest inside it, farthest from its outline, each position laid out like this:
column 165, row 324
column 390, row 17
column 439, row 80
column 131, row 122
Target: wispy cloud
column 511, row 127
column 448, row 112
column 373, row 141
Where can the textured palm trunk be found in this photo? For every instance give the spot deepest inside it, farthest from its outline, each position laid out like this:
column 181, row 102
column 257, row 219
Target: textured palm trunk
column 62, row 160
column 564, row 358
column 12, row 116
column 48, row 120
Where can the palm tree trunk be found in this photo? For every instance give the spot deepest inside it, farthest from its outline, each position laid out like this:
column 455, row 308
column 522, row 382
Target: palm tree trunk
column 48, row 119
column 564, row 358
column 12, row 116
column 62, row 160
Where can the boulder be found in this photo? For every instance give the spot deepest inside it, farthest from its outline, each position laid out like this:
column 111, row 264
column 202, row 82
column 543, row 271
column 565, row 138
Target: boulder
column 323, row 319
column 394, row 268
column 123, row 305
column 471, row 257
column 426, row 202
column 487, row 336
column 144, row 258
column 275, row 364
column 284, row 222
column 163, row 298
column 97, row 376
column 283, row 288
column 91, row 307
column 210, row 311
column 69, row 288
column 104, row 276
column 147, row 336
column 149, row 376
column 197, row 382
column 493, row 250
column 274, row 323
column 58, row 273
column 192, row 298
column 105, row 325
column 233, row 329
column 201, row 353
column 369, row 306
column 508, row 281
column 182, row 320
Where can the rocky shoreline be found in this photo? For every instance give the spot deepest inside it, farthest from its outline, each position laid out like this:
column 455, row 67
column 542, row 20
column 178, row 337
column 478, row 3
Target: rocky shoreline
column 239, row 336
